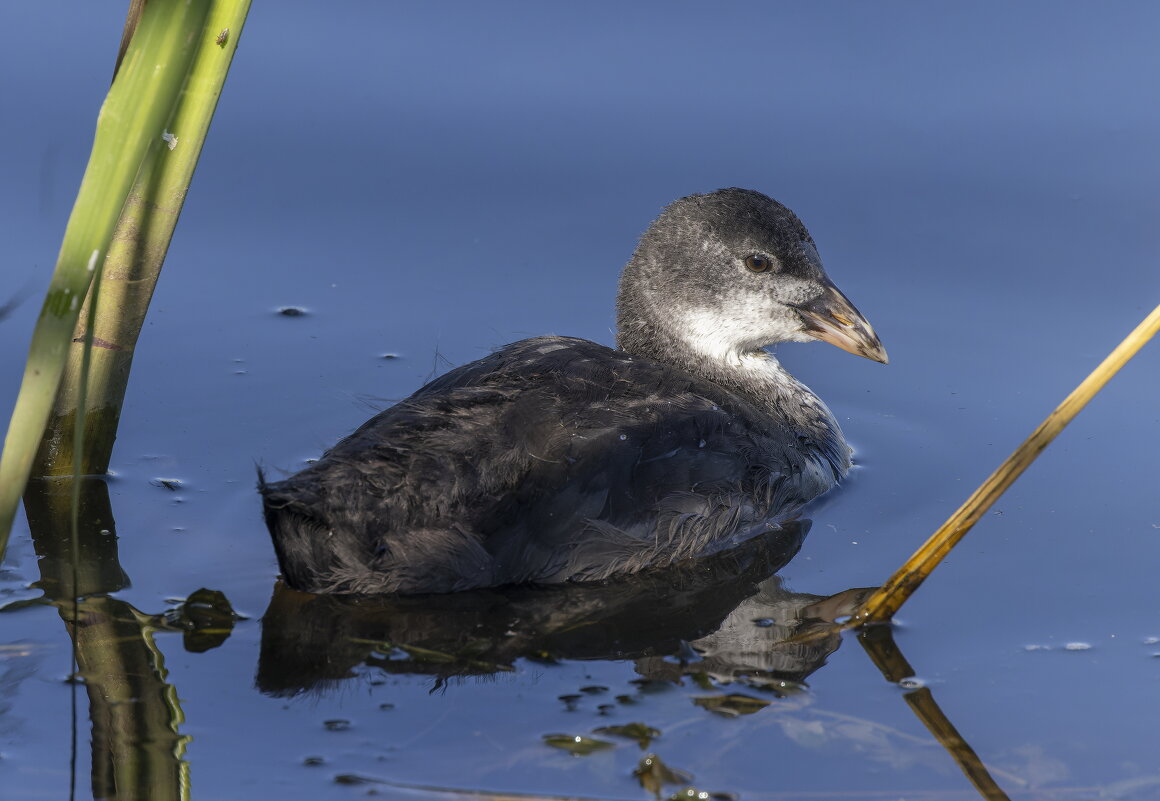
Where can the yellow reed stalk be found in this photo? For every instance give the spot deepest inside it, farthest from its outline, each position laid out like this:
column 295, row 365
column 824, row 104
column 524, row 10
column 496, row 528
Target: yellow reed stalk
column 887, row 599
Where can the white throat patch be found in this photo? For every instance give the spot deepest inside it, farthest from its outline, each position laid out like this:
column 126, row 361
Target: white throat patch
column 729, row 340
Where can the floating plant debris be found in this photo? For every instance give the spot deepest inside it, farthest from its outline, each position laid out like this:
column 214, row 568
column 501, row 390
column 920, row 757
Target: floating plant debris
column 292, row 311
column 206, row 618
column 355, row 779
column 577, row 744
column 731, row 705
column 642, row 734
column 653, row 774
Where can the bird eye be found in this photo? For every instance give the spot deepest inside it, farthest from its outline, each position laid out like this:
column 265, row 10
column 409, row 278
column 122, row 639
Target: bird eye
column 758, row 263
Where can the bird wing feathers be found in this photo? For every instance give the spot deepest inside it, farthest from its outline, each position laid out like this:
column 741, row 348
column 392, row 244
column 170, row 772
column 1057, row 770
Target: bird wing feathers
column 584, row 462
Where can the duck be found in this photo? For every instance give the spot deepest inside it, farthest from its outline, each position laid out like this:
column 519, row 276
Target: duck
column 556, row 459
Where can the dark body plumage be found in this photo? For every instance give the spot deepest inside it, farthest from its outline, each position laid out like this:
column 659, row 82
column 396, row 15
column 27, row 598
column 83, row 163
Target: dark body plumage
column 559, row 459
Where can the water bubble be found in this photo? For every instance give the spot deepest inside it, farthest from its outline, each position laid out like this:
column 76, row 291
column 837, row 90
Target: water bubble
column 624, row 436
column 1036, row 647
column 1077, row 646
column 912, row 683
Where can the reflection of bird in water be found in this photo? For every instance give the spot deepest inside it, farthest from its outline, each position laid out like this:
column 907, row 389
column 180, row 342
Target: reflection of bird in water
column 773, row 637
column 718, row 605
column 558, row 459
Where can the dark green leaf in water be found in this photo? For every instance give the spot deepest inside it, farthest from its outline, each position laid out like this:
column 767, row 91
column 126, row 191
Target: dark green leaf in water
column 570, row 701
column 208, row 620
column 632, row 731
column 653, row 775
column 731, row 705
column 702, row 680
column 577, row 744
column 354, row 778
column 25, row 603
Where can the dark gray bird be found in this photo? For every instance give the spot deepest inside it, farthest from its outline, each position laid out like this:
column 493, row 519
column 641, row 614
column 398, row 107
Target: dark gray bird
column 557, row 459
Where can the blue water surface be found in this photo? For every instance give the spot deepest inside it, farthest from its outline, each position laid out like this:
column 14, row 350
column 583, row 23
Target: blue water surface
column 433, row 180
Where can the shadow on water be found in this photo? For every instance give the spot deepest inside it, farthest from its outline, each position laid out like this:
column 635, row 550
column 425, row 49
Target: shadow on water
column 134, row 713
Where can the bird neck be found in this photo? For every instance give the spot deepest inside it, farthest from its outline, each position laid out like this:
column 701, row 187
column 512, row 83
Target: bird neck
column 756, row 375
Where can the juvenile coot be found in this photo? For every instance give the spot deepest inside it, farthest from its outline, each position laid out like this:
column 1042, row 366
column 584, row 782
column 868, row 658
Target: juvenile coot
column 557, row 459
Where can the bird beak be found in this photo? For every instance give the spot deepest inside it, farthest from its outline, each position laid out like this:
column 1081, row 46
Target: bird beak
column 831, row 317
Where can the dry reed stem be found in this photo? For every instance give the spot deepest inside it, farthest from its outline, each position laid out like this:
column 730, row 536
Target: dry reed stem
column 885, row 601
